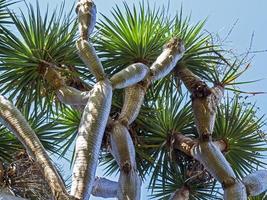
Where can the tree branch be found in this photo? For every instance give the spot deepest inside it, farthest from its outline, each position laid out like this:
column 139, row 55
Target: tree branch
column 105, row 188
column 133, row 100
column 12, row 118
column 187, row 145
column 89, row 57
column 66, row 94
column 89, row 139
column 86, row 11
column 122, row 149
column 204, row 100
column 129, row 76
column 167, row 60
column 235, row 191
column 180, row 194
column 256, row 183
column 1, row 173
column 204, row 103
column 71, row 96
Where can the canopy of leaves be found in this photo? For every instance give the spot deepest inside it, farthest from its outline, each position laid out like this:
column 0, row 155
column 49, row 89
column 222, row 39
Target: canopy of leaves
column 35, row 43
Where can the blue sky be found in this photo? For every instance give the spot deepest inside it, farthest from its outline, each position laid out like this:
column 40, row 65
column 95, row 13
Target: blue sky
column 221, row 16
column 251, row 16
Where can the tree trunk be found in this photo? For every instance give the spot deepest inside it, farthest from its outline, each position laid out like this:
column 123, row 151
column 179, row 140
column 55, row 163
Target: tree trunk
column 88, row 143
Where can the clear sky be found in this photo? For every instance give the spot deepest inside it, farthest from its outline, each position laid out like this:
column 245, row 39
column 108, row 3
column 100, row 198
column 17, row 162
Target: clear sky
column 222, row 15
column 251, row 16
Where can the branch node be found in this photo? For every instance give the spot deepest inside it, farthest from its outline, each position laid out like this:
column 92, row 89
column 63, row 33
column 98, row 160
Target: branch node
column 228, row 182
column 126, row 167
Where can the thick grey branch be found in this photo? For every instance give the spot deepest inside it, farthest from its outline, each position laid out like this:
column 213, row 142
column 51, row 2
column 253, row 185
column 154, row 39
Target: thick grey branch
column 86, row 11
column 12, row 118
column 88, row 143
column 105, row 188
column 89, row 57
column 190, row 80
column 129, row 186
column 71, row 96
column 1, row 172
column 209, row 154
column 204, row 103
column 204, row 100
column 168, row 59
column 133, row 100
column 129, row 76
column 180, row 194
column 205, row 109
column 188, row 145
column 122, row 149
column 235, row 191
column 214, row 161
column 256, row 183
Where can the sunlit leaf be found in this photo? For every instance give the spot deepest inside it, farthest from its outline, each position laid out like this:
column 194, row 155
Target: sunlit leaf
column 238, row 125
column 35, row 42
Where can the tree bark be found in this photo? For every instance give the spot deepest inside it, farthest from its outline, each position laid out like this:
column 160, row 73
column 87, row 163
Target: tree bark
column 66, row 94
column 71, row 96
column 133, row 100
column 12, row 118
column 214, row 161
column 88, row 143
column 180, row 194
column 86, row 11
column 129, row 76
column 204, row 103
column 256, row 183
column 122, row 149
column 188, row 146
column 122, row 146
column 89, row 57
column 167, row 60
column 235, row 191
column 105, row 188
column 204, row 100
column 1, row 173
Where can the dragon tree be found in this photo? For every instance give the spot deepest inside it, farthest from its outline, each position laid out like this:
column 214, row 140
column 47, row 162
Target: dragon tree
column 148, row 96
